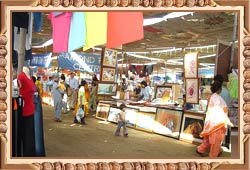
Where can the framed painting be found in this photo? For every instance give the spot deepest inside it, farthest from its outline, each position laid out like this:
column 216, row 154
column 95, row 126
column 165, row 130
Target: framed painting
column 192, row 91
column 192, row 126
column 102, row 111
column 168, row 122
column 106, row 89
column 191, row 65
column 108, row 74
column 163, row 92
column 131, row 117
column 113, row 114
column 109, row 58
column 145, row 121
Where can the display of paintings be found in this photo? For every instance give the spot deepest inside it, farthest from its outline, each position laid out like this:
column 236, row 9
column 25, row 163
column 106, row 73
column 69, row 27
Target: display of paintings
column 168, row 122
column 145, row 121
column 108, row 74
column 102, row 111
column 192, row 91
column 131, row 116
column 108, row 89
column 192, row 126
column 163, row 92
column 109, row 58
column 191, row 65
column 113, row 114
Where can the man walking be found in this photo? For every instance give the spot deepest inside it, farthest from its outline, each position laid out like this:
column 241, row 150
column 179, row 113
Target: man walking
column 73, row 85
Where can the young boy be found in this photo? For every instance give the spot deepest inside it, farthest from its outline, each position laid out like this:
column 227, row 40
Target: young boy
column 121, row 122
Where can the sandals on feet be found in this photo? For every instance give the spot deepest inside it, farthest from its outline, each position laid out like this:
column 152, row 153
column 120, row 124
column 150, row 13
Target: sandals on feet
column 201, row 154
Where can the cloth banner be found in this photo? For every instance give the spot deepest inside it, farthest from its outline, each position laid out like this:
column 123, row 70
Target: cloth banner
column 80, row 61
column 41, row 60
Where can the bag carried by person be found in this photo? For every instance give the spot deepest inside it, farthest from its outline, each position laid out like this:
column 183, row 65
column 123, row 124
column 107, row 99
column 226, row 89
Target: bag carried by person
column 79, row 118
column 69, row 91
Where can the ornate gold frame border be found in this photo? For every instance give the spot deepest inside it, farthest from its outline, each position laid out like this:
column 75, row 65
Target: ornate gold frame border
column 142, row 4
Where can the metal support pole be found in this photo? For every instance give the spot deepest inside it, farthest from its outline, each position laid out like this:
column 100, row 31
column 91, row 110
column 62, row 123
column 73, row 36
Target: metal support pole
column 21, row 50
column 234, row 39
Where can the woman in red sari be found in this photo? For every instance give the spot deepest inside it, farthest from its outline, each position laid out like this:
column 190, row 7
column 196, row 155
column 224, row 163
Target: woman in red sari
column 215, row 124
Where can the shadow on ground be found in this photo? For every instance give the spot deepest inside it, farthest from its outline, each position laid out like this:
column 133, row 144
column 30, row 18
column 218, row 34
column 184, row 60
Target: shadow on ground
column 97, row 140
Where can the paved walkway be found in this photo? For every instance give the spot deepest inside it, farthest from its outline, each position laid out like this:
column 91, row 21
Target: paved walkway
column 97, row 140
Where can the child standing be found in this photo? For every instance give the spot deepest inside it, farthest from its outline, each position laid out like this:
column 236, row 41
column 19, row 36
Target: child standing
column 121, row 122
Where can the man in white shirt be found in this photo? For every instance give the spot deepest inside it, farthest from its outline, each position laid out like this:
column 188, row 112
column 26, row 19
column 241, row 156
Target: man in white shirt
column 73, row 84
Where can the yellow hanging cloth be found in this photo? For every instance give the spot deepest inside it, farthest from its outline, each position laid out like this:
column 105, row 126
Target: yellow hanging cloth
column 96, row 29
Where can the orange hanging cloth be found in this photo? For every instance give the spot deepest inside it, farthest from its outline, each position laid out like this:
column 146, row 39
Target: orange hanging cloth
column 124, row 27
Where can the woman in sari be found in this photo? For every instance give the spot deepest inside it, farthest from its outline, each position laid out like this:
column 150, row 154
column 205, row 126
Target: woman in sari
column 215, row 124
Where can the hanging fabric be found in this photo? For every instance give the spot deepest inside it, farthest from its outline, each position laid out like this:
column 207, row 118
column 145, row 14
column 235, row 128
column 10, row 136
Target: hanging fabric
column 77, row 34
column 38, row 21
column 124, row 27
column 96, row 29
column 21, row 20
column 60, row 31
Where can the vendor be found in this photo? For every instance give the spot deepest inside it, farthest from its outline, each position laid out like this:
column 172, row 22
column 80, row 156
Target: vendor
column 146, row 92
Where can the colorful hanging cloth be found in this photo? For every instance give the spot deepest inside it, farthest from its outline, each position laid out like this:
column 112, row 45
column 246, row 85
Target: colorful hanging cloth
column 96, row 29
column 124, row 27
column 77, row 34
column 60, row 31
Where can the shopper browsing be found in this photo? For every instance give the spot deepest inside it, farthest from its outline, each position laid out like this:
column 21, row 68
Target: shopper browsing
column 73, row 85
column 215, row 123
column 121, row 122
column 57, row 98
column 79, row 116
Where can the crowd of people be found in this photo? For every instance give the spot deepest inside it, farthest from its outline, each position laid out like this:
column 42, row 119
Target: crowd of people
column 67, row 93
column 70, row 95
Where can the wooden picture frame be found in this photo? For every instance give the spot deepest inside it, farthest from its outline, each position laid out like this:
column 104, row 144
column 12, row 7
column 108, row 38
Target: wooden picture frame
column 192, row 90
column 102, row 111
column 191, row 65
column 131, row 117
column 168, row 122
column 106, row 89
column 108, row 74
column 162, row 91
column 109, row 58
column 192, row 126
column 145, row 121
column 113, row 114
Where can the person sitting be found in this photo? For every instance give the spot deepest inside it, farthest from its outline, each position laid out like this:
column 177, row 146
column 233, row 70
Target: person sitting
column 146, row 92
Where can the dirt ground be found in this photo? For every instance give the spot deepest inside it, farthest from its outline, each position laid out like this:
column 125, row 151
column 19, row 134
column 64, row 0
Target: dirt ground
column 97, row 140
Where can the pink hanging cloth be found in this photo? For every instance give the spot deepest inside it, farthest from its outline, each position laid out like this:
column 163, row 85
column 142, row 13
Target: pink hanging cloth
column 60, row 30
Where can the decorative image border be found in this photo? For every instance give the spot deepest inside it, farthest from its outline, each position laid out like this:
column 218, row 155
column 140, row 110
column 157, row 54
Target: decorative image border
column 244, row 82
